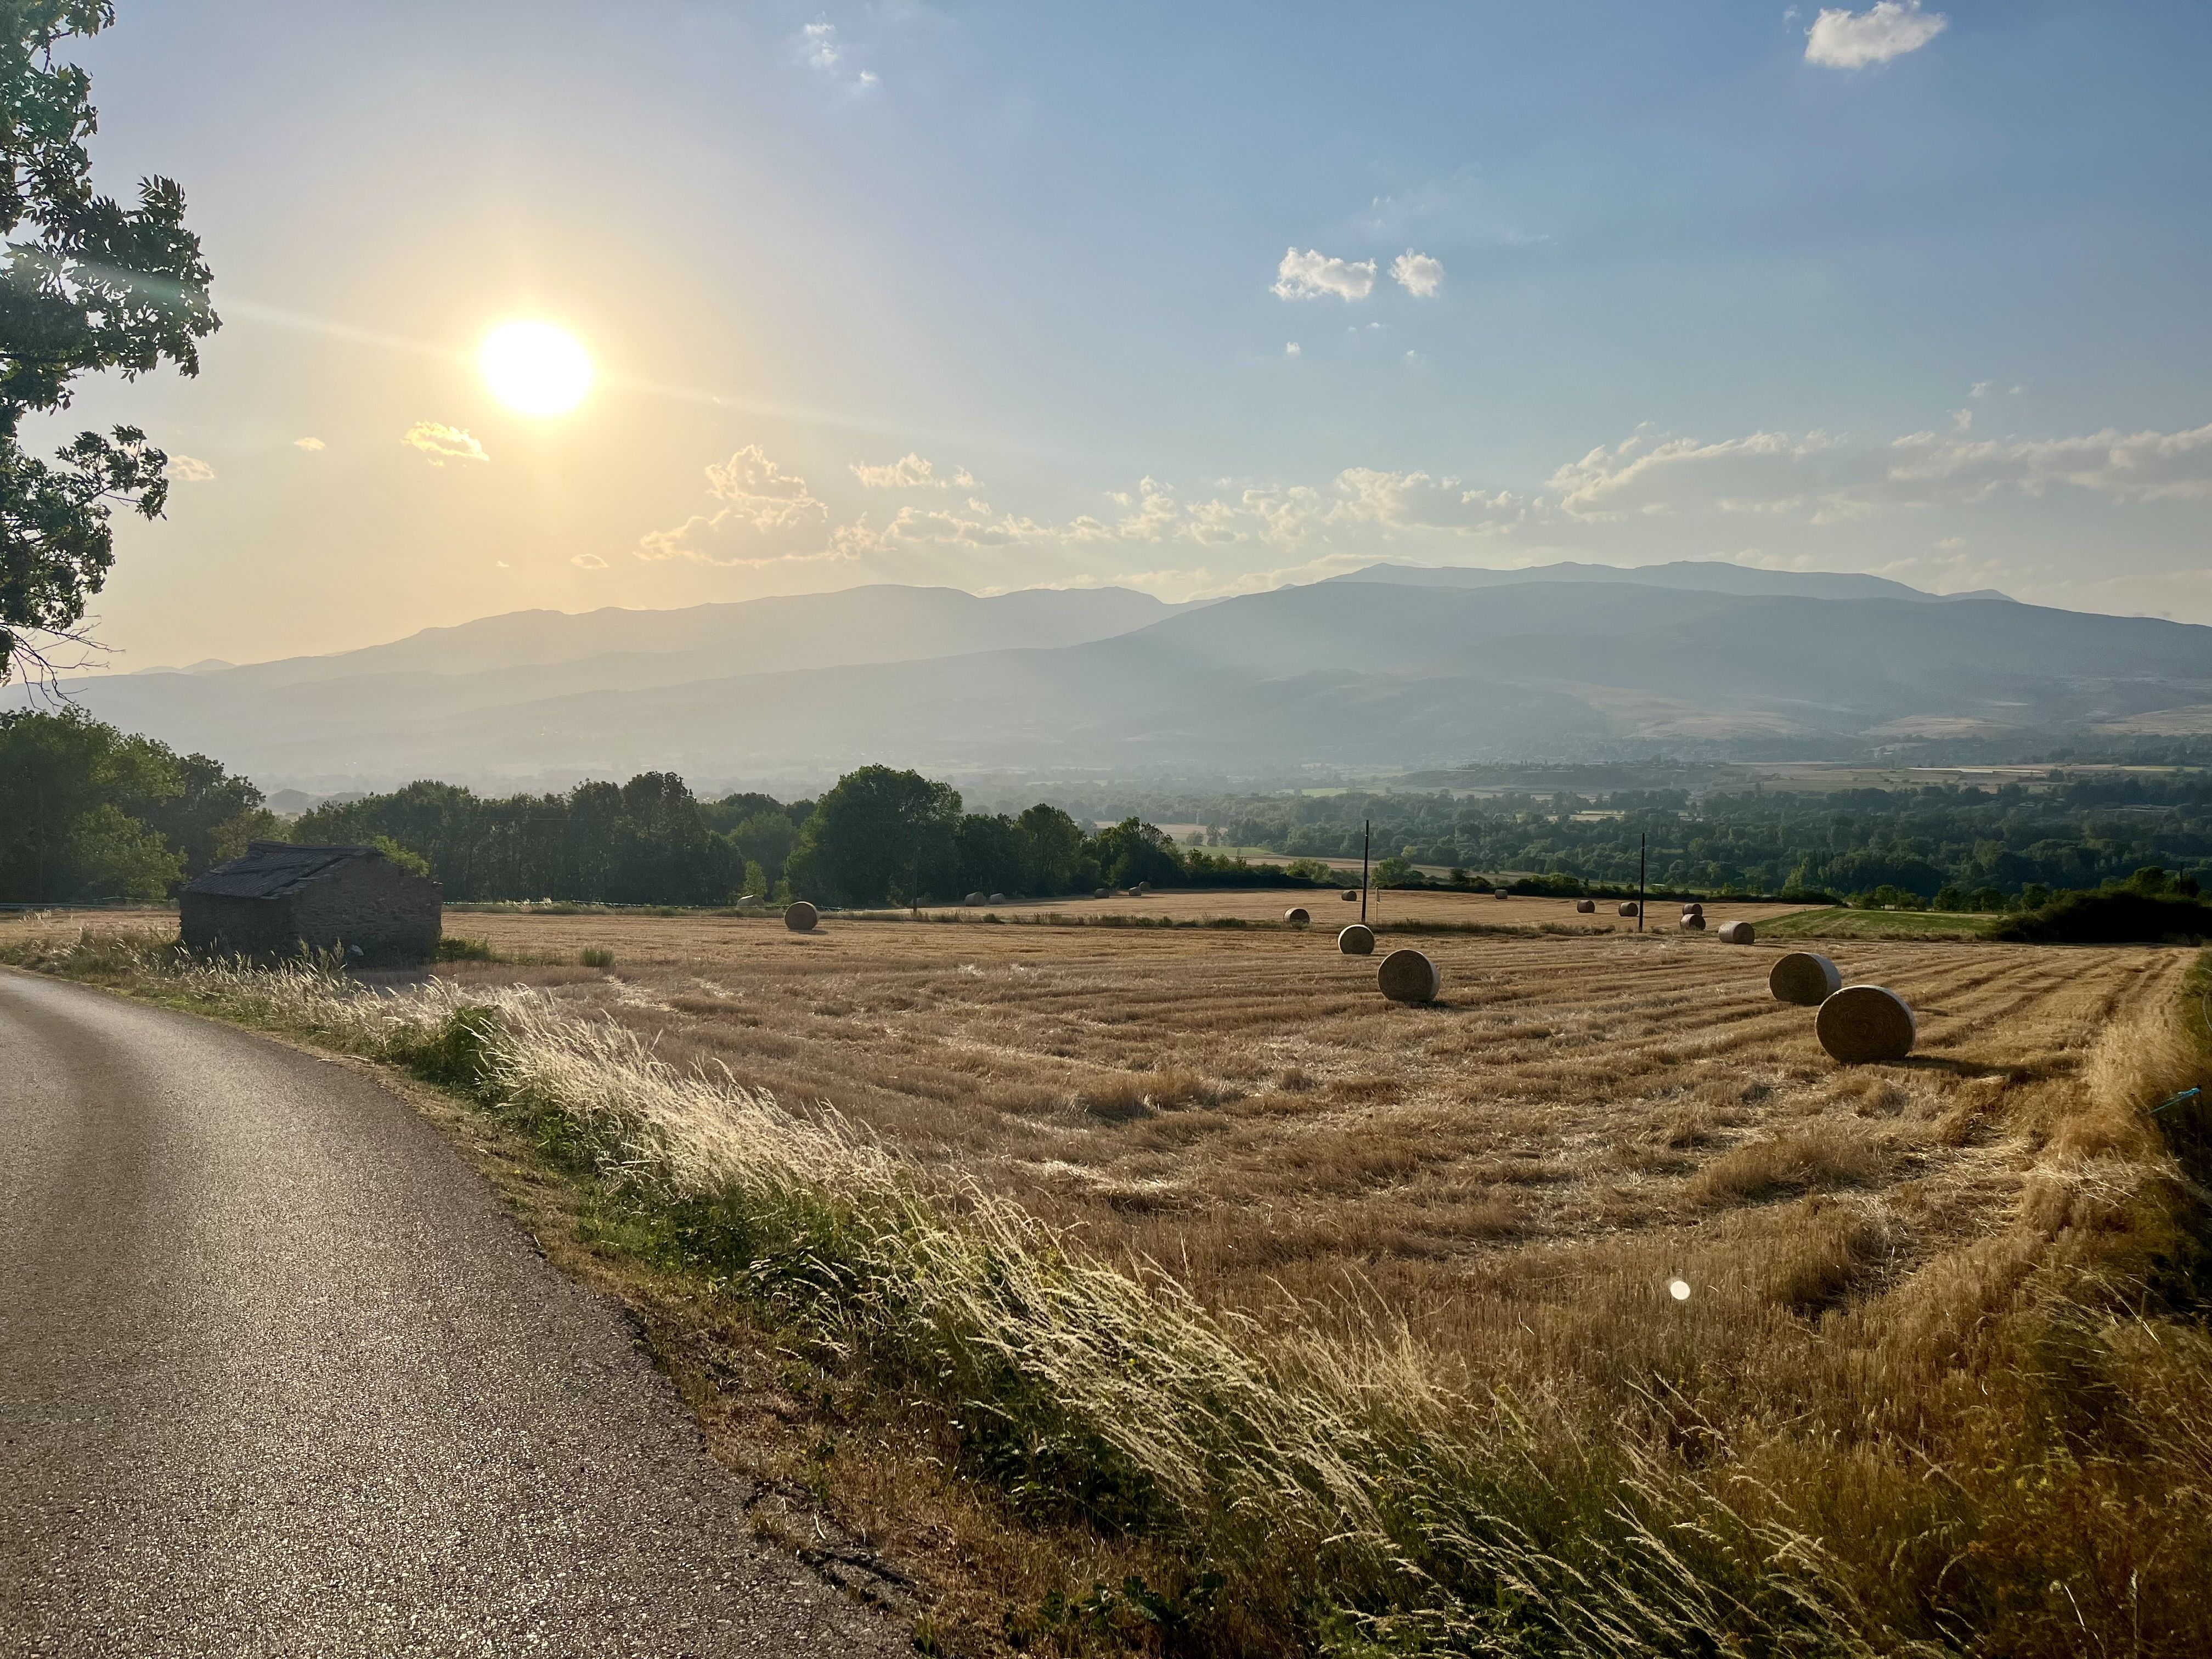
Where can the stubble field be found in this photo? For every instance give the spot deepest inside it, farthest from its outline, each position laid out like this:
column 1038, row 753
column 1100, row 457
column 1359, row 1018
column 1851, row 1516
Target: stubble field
column 1602, row 1233
column 1577, row 1121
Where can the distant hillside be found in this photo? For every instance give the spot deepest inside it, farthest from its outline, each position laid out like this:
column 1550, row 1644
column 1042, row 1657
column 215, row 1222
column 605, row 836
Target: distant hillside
column 1382, row 674
column 881, row 623
column 1700, row 575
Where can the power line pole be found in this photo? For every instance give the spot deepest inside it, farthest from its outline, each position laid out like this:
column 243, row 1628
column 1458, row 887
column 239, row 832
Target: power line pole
column 1640, row 843
column 1366, row 843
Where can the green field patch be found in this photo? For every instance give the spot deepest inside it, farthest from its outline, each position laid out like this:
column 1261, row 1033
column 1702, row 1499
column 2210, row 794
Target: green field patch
column 1844, row 923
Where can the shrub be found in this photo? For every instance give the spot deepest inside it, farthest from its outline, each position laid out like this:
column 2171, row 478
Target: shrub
column 454, row 948
column 592, row 956
column 2116, row 916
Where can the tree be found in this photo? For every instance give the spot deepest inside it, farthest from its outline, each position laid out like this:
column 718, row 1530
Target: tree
column 1130, row 852
column 879, row 834
column 93, row 286
column 765, row 839
column 71, row 788
column 1051, row 849
column 990, row 849
column 211, row 817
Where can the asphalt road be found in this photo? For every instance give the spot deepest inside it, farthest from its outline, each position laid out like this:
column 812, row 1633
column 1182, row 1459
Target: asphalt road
column 277, row 1376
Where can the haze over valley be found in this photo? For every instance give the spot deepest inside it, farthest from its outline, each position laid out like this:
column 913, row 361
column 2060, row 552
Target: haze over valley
column 1386, row 667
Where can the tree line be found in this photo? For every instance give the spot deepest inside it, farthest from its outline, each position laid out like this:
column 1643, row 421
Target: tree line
column 1934, row 845
column 88, row 811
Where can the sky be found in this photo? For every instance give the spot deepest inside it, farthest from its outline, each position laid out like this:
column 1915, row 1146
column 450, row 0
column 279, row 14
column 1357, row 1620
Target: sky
column 1196, row 300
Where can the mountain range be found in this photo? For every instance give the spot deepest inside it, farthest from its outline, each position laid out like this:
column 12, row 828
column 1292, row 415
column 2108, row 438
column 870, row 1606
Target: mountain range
column 1390, row 666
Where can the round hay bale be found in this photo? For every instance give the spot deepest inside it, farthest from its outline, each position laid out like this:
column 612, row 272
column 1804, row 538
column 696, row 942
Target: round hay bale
column 1585, row 906
column 1298, row 915
column 801, row 917
column 1628, row 909
column 1357, row 940
column 975, row 898
column 1691, row 907
column 1693, row 922
column 1103, row 892
column 1804, row 977
column 1866, row 1025
column 1143, row 889
column 1501, row 893
column 1352, row 896
column 1409, row 976
column 998, row 898
column 1735, row 933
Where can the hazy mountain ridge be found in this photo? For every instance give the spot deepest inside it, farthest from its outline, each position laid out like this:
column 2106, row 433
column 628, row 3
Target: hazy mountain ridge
column 877, row 622
column 1392, row 672
column 1702, row 575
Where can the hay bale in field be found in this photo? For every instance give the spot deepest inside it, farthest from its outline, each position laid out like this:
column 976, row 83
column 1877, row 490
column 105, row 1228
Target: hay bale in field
column 1804, row 977
column 1144, row 890
column 998, row 898
column 1691, row 907
column 1585, row 906
column 1103, row 892
column 974, row 899
column 1736, row 933
column 1866, row 1025
column 1692, row 921
column 1352, row 896
column 1501, row 893
column 1409, row 976
column 801, row 917
column 1298, row 915
column 1628, row 909
column 1357, row 940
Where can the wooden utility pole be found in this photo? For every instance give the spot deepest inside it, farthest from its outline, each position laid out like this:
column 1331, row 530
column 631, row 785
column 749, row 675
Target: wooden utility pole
column 1640, row 841
column 1366, row 844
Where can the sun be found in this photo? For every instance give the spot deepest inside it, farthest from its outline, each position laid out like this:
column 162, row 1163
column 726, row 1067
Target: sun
column 535, row 368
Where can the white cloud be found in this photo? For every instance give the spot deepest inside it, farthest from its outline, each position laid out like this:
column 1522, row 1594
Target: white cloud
column 761, row 492
column 184, row 468
column 821, row 48
column 768, row 516
column 868, row 78
column 964, row 479
column 1851, row 39
column 582, row 561
column 310, row 444
column 1979, row 389
column 1312, row 276
column 910, row 471
column 1822, row 479
column 1290, row 349
column 1418, row 274
column 1962, row 420
column 440, row 443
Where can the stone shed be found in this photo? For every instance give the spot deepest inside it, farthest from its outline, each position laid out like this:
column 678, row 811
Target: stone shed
column 280, row 897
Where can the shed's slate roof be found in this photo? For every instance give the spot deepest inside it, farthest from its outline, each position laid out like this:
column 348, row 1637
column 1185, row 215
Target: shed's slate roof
column 275, row 869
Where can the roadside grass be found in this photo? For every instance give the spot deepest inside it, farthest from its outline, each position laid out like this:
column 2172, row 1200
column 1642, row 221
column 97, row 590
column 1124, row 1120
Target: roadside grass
column 2009, row 1455
column 1843, row 923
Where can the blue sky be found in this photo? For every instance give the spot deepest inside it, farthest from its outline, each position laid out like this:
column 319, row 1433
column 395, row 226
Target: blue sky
column 1911, row 289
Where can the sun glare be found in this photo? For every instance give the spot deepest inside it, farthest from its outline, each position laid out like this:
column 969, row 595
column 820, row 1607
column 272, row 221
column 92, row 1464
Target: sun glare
column 535, row 368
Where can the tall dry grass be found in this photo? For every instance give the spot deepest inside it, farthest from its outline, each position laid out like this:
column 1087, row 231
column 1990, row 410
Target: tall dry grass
column 2009, row 1455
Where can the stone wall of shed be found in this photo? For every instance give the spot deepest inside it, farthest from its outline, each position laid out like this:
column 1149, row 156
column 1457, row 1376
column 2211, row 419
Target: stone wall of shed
column 216, row 926
column 392, row 914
